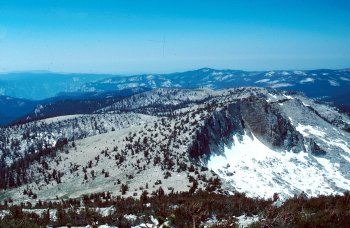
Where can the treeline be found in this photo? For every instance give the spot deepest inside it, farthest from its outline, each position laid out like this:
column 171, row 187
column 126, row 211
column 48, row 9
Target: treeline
column 17, row 173
column 183, row 210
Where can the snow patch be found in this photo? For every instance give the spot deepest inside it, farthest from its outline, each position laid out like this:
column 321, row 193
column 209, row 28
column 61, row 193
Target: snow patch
column 345, row 79
column 217, row 73
column 333, row 83
column 288, row 96
column 285, row 73
column 307, row 130
column 338, row 143
column 253, row 168
column 263, row 80
column 298, row 72
column 278, row 85
column 130, row 217
column 306, row 80
column 269, row 74
column 246, row 221
column 346, row 157
column 333, row 173
column 273, row 95
column 306, row 105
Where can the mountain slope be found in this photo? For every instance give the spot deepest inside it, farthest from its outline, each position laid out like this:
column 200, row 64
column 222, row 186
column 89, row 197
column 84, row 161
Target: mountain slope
column 255, row 140
column 12, row 108
column 330, row 84
column 314, row 83
column 76, row 103
column 325, row 85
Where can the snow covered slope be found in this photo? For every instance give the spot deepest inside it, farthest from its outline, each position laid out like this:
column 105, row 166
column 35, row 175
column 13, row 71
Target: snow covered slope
column 252, row 167
column 259, row 169
column 255, row 140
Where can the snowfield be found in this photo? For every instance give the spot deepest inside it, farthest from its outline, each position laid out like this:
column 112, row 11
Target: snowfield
column 251, row 167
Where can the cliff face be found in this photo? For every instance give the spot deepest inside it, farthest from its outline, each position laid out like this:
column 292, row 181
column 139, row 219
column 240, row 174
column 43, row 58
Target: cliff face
column 269, row 126
column 251, row 116
column 269, row 142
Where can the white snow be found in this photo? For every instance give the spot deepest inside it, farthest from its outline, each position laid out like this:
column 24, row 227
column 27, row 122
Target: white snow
column 263, row 80
column 306, row 105
column 105, row 211
column 269, row 74
column 227, row 76
column 278, row 85
column 166, row 83
column 338, row 143
column 3, row 213
column 217, row 73
column 306, row 80
column 288, row 96
column 130, row 217
column 307, row 130
column 298, row 72
column 260, row 172
column 273, row 95
column 345, row 79
column 345, row 157
column 59, row 118
column 245, row 221
column 150, row 77
column 333, row 173
column 333, row 83
column 273, row 82
column 285, row 73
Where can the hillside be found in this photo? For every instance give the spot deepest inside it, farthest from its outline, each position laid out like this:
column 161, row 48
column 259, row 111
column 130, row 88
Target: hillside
column 181, row 140
column 330, row 84
column 67, row 94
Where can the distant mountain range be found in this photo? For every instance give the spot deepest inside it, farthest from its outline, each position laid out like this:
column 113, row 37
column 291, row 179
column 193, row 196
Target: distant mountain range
column 43, row 85
column 16, row 110
column 54, row 90
column 331, row 85
column 12, row 108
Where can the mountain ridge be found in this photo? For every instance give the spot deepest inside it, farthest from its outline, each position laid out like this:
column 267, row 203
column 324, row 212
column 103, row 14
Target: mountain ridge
column 326, row 85
column 164, row 135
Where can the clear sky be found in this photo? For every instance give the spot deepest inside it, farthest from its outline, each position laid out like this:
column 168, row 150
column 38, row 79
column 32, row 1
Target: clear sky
column 135, row 36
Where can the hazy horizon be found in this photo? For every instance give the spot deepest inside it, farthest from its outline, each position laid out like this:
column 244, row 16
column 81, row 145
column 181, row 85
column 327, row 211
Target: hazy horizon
column 165, row 72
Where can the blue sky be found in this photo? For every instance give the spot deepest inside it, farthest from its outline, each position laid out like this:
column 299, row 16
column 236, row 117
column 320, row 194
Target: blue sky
column 111, row 36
